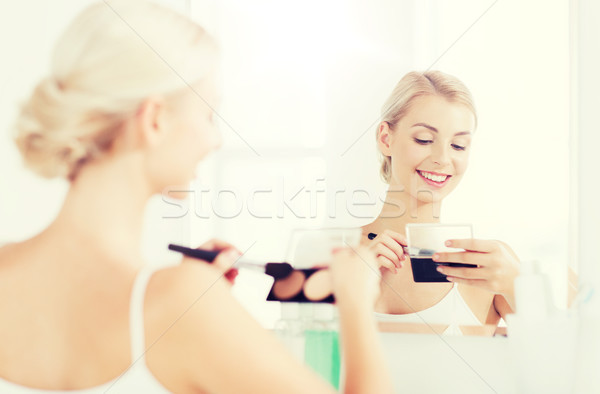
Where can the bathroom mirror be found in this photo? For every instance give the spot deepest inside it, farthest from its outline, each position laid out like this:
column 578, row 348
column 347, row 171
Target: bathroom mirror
column 302, row 85
column 317, row 74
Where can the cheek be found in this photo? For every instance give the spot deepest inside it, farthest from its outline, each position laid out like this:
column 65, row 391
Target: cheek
column 461, row 162
column 410, row 157
column 211, row 135
column 209, row 139
column 202, row 137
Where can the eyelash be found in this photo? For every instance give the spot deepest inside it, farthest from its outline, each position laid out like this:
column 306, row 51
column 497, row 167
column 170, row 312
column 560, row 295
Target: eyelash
column 423, row 142
column 427, row 142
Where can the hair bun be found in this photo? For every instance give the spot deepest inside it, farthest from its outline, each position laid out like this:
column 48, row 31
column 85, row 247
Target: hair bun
column 44, row 132
column 100, row 74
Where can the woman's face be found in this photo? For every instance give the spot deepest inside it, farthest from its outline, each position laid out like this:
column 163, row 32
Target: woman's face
column 191, row 135
column 429, row 147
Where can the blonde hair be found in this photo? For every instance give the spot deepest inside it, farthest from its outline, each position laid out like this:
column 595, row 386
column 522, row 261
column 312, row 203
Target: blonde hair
column 112, row 57
column 416, row 84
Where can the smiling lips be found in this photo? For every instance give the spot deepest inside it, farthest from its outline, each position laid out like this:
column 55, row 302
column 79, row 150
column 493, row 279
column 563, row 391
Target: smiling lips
column 433, row 178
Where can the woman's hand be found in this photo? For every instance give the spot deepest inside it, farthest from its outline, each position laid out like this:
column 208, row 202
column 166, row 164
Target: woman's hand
column 356, row 281
column 355, row 276
column 225, row 259
column 497, row 265
column 388, row 247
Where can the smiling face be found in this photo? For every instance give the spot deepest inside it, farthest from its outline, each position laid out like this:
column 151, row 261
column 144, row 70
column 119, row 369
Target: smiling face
column 429, row 147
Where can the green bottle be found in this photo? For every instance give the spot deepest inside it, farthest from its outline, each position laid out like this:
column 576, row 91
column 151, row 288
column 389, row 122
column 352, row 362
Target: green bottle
column 321, row 343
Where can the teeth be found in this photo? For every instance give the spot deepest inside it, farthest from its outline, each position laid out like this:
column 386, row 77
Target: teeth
column 435, row 178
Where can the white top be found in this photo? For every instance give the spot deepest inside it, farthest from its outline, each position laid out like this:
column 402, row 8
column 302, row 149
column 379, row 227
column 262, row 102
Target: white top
column 137, row 378
column 451, row 310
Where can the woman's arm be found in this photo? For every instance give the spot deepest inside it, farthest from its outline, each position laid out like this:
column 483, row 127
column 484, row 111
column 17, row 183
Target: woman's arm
column 388, row 249
column 502, row 306
column 356, row 280
column 210, row 341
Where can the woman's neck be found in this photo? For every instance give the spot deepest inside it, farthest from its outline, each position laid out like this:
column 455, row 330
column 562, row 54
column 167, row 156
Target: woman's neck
column 401, row 208
column 104, row 209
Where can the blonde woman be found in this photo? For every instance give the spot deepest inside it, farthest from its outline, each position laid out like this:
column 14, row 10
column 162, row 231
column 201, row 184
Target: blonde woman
column 127, row 111
column 425, row 140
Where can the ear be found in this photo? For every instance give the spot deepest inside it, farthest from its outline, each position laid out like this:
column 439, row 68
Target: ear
column 384, row 137
column 151, row 122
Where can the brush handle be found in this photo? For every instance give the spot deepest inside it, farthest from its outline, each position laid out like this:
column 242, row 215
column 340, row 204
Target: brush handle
column 206, row 255
column 276, row 270
column 372, row 236
column 210, row 255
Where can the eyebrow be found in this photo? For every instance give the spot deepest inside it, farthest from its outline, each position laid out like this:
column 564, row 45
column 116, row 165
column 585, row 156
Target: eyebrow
column 436, row 130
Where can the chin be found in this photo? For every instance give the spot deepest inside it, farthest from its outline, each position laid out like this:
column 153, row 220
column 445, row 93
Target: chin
column 178, row 192
column 178, row 189
column 428, row 195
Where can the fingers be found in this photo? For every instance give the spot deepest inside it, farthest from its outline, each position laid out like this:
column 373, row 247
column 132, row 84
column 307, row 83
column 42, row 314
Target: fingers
column 462, row 272
column 399, row 238
column 476, row 258
column 470, row 282
column 384, row 262
column 225, row 261
column 227, row 258
column 231, row 275
column 382, row 250
column 473, row 245
column 216, row 244
column 389, row 251
column 392, row 245
column 497, row 264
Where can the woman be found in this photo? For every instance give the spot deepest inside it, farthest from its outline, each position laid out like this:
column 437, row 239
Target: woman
column 425, row 140
column 126, row 113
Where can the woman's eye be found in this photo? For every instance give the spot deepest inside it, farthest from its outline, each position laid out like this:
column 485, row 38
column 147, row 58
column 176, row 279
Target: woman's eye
column 458, row 147
column 423, row 142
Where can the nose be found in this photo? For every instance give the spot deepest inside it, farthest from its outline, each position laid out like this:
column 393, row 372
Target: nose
column 440, row 155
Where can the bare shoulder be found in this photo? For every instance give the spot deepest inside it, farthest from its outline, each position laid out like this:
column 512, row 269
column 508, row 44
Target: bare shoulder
column 174, row 289
column 194, row 327
column 182, row 304
column 13, row 253
column 198, row 333
column 5, row 251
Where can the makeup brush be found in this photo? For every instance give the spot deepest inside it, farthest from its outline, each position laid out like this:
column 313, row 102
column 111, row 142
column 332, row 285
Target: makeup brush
column 372, row 236
column 276, row 270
